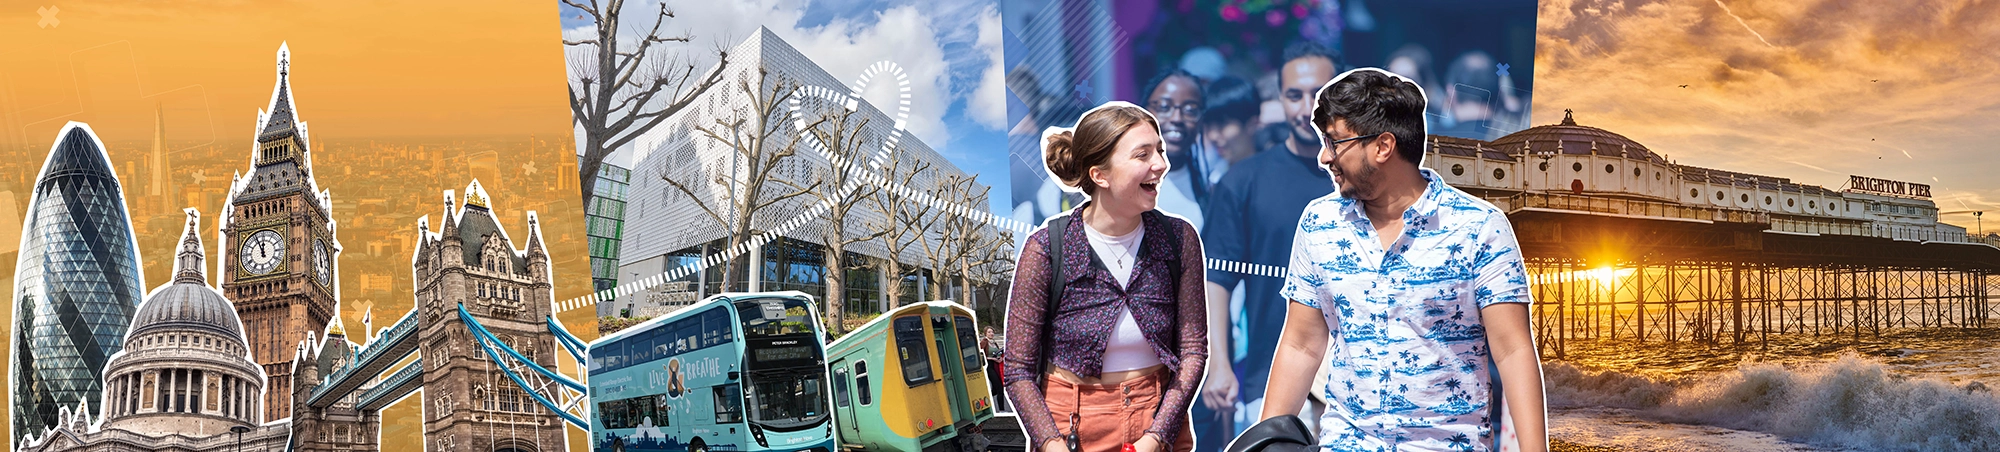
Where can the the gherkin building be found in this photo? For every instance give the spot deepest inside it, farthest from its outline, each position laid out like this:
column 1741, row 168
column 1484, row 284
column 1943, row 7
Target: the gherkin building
column 75, row 287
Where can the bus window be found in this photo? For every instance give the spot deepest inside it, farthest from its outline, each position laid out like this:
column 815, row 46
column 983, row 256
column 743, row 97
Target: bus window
column 789, row 399
column 968, row 346
column 913, row 349
column 840, row 387
column 728, row 404
column 717, row 320
column 613, row 413
column 646, row 412
column 861, row 383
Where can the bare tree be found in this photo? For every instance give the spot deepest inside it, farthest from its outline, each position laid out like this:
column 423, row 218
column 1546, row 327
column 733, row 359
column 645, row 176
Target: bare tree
column 749, row 133
column 844, row 134
column 938, row 230
column 618, row 91
column 962, row 244
column 902, row 216
column 977, row 246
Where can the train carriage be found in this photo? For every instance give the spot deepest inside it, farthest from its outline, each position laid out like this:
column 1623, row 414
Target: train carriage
column 911, row 380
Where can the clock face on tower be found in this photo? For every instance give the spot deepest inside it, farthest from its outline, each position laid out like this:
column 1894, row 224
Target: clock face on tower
column 322, row 264
column 263, row 251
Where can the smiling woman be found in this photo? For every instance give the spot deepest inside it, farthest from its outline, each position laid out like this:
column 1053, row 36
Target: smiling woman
column 1107, row 308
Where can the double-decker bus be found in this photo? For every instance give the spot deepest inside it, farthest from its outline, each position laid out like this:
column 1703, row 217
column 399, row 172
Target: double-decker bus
column 735, row 372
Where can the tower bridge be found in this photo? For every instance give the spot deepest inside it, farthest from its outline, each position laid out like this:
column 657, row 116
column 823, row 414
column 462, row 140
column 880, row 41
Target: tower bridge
column 482, row 337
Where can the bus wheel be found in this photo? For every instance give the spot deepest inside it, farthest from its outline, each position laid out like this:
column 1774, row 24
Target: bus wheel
column 617, row 445
column 698, row 446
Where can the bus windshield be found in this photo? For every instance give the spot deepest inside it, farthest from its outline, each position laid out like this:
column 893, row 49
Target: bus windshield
column 785, row 364
column 785, row 400
column 775, row 317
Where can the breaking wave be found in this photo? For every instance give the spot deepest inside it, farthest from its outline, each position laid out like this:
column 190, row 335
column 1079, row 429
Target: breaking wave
column 1848, row 402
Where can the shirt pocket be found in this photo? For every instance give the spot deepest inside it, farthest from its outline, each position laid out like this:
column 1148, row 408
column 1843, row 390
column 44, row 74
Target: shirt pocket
column 1351, row 308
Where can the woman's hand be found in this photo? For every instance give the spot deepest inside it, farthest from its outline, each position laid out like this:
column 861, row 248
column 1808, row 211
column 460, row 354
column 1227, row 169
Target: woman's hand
column 1148, row 443
column 1055, row 445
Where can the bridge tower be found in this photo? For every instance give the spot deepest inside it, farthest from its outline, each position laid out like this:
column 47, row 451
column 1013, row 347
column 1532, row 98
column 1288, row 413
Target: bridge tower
column 341, row 427
column 469, row 402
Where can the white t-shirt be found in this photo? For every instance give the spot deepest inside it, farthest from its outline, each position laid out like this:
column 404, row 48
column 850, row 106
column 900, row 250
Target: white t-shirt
column 1127, row 349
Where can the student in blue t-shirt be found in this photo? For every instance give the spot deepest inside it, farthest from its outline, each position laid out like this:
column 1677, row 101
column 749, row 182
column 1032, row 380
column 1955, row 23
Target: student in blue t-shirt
column 1249, row 218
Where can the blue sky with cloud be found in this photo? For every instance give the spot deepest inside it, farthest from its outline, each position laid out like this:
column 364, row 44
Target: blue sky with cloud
column 950, row 48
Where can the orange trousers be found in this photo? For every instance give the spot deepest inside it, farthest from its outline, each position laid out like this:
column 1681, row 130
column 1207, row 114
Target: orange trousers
column 1112, row 415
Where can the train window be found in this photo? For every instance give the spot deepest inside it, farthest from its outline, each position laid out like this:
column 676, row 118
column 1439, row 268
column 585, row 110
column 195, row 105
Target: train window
column 968, row 345
column 913, row 351
column 728, row 404
column 861, row 387
column 840, row 387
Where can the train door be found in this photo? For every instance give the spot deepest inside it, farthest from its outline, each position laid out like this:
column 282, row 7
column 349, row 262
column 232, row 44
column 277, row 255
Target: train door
column 954, row 369
column 843, row 401
column 978, row 379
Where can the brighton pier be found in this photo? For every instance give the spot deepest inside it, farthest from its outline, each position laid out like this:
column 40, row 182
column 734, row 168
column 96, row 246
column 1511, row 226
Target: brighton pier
column 1625, row 244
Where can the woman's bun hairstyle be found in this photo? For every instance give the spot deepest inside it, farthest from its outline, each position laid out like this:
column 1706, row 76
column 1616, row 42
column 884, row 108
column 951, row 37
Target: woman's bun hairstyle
column 1071, row 152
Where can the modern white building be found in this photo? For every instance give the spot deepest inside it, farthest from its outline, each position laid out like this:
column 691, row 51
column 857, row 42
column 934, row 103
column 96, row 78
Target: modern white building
column 665, row 230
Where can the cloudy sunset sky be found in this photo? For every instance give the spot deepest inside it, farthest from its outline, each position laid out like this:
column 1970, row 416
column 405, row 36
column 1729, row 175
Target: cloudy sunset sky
column 1809, row 90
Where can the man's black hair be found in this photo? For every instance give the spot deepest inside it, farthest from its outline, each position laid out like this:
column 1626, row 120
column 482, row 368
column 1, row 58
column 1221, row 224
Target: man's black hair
column 1146, row 97
column 1372, row 102
column 1231, row 99
column 1309, row 49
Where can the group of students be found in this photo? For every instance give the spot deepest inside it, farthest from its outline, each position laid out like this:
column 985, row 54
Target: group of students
column 1404, row 300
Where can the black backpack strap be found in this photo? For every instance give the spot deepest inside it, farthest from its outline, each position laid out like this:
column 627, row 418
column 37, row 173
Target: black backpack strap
column 1058, row 227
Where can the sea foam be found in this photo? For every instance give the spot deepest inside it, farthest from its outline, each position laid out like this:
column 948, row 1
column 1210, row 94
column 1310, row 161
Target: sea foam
column 1848, row 402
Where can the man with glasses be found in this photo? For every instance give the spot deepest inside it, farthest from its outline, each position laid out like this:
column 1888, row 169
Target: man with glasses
column 1176, row 99
column 1250, row 218
column 1413, row 293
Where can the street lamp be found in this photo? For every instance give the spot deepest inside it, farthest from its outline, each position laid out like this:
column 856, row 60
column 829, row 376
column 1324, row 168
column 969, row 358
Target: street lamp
column 240, row 429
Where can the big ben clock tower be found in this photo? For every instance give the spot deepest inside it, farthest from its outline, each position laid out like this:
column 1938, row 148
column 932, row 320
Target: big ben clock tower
column 279, row 260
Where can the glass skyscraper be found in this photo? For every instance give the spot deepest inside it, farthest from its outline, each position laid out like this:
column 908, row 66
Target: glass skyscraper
column 76, row 284
column 604, row 225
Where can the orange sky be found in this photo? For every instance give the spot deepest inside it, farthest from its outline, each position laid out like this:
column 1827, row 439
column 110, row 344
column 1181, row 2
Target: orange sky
column 362, row 69
column 461, row 89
